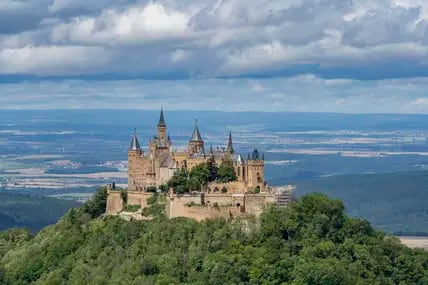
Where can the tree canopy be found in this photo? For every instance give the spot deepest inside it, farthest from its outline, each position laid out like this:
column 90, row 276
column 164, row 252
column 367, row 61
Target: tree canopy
column 200, row 175
column 310, row 242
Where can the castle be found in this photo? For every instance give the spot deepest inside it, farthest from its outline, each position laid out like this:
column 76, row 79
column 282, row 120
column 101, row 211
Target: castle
column 246, row 195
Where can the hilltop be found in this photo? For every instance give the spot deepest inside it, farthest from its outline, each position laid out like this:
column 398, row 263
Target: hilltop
column 310, row 242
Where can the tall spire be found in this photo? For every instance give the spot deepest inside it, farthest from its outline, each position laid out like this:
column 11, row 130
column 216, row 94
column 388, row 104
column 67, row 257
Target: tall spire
column 229, row 143
column 161, row 119
column 196, row 136
column 135, row 146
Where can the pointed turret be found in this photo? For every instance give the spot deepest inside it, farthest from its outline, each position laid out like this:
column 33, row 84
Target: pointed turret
column 196, row 136
column 161, row 119
column 196, row 144
column 211, row 151
column 230, row 144
column 134, row 146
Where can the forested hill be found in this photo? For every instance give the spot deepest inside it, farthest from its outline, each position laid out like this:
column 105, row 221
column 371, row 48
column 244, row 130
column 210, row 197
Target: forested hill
column 31, row 212
column 310, row 242
column 393, row 202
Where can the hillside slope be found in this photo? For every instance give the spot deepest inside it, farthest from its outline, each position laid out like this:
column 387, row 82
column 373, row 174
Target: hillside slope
column 394, row 202
column 311, row 242
column 31, row 212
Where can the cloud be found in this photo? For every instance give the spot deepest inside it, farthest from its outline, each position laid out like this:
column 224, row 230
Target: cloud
column 303, row 55
column 52, row 60
column 299, row 93
column 196, row 38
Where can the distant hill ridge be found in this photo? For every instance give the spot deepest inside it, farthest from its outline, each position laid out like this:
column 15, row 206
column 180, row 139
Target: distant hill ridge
column 394, row 202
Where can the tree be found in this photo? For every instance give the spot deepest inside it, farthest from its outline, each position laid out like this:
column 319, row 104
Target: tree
column 213, row 169
column 97, row 205
column 226, row 172
column 201, row 174
column 179, row 181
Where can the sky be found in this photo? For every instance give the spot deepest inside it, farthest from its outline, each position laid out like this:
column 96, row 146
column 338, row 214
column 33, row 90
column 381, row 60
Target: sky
column 351, row 56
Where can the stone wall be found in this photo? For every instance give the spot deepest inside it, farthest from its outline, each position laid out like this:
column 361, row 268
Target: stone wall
column 114, row 203
column 235, row 187
column 222, row 205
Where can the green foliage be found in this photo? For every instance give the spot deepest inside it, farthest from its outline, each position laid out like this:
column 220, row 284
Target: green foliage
column 212, row 169
column 155, row 206
column 224, row 190
column 97, row 205
column 179, row 181
column 163, row 188
column 256, row 190
column 131, row 208
column 31, row 212
column 13, row 238
column 200, row 176
column 152, row 199
column 310, row 242
column 226, row 172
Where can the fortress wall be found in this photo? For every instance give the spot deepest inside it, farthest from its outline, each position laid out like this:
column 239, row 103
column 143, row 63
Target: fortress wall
column 235, row 187
column 201, row 213
column 114, row 203
column 255, row 203
column 175, row 206
column 138, row 198
column 220, row 199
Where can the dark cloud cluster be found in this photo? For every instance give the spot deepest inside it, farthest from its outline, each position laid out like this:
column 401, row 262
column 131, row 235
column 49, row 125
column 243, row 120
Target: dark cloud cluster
column 205, row 39
column 301, row 55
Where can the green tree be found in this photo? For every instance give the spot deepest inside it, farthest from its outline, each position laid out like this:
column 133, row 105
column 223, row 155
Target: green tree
column 212, row 169
column 226, row 172
column 179, row 181
column 200, row 173
column 97, row 205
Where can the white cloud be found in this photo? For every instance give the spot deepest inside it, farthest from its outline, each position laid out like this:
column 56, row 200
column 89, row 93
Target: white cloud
column 298, row 41
column 52, row 60
column 226, row 37
column 300, row 93
column 138, row 25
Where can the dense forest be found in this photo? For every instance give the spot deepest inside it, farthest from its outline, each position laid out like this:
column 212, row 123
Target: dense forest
column 31, row 212
column 393, row 202
column 310, row 242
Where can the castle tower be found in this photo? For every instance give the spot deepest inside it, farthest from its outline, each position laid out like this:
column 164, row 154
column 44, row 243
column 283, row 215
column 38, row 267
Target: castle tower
column 229, row 150
column 255, row 171
column 162, row 136
column 134, row 155
column 196, row 143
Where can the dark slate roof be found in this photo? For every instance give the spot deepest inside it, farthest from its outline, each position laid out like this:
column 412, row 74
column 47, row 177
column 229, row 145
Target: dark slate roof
column 255, row 155
column 161, row 119
column 134, row 142
column 196, row 136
